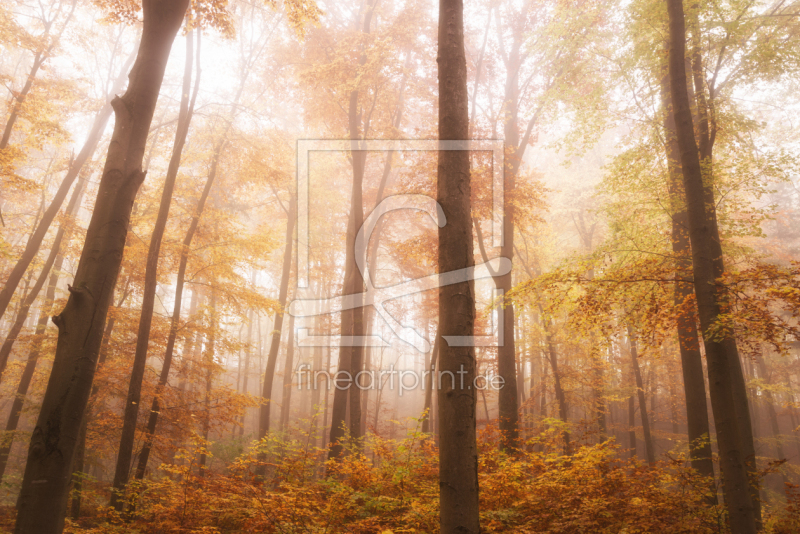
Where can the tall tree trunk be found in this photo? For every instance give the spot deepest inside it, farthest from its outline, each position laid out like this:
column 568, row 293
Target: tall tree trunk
column 458, row 454
column 688, row 339
column 45, row 486
column 707, row 265
column 169, row 352
column 637, row 373
column 134, row 398
column 346, row 409
column 39, row 233
column 272, row 358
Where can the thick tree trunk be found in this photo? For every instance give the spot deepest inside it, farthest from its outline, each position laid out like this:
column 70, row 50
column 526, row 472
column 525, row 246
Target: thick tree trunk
column 688, row 339
column 134, row 398
column 43, row 497
column 272, row 358
column 45, row 486
column 458, row 454
column 637, row 373
column 39, row 233
column 707, row 265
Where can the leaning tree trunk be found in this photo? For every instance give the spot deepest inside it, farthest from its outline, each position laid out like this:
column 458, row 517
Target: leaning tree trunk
column 726, row 399
column 155, row 409
column 458, row 453
column 134, row 398
column 694, row 384
column 45, row 485
column 39, row 233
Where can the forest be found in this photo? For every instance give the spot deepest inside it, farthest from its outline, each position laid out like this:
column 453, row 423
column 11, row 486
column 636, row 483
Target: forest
column 307, row 266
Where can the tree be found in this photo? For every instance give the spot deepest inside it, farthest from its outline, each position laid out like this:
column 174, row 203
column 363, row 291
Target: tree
column 458, row 455
column 707, row 267
column 42, row 505
column 188, row 99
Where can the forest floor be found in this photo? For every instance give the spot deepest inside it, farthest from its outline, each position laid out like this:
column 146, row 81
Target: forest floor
column 393, row 488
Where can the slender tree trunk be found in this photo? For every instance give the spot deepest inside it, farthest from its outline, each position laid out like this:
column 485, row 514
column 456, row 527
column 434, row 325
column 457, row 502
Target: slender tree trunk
column 54, row 257
column 724, row 369
column 39, row 233
column 210, row 355
column 176, row 316
column 56, row 260
column 247, row 351
column 125, row 451
column 637, row 373
column 45, row 486
column 561, row 397
column 771, row 413
column 272, row 358
column 288, row 369
column 458, row 454
column 688, row 339
column 632, row 425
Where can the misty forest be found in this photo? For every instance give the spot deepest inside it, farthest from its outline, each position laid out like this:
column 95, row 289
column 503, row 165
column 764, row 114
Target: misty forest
column 432, row 266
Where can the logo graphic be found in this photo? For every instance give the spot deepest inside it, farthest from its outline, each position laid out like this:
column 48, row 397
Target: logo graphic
column 377, row 297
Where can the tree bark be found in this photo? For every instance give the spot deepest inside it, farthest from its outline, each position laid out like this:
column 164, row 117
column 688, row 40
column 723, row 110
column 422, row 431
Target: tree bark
column 134, row 397
column 272, row 358
column 458, row 454
column 351, row 358
column 39, row 233
column 707, row 266
column 45, row 486
column 688, row 339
